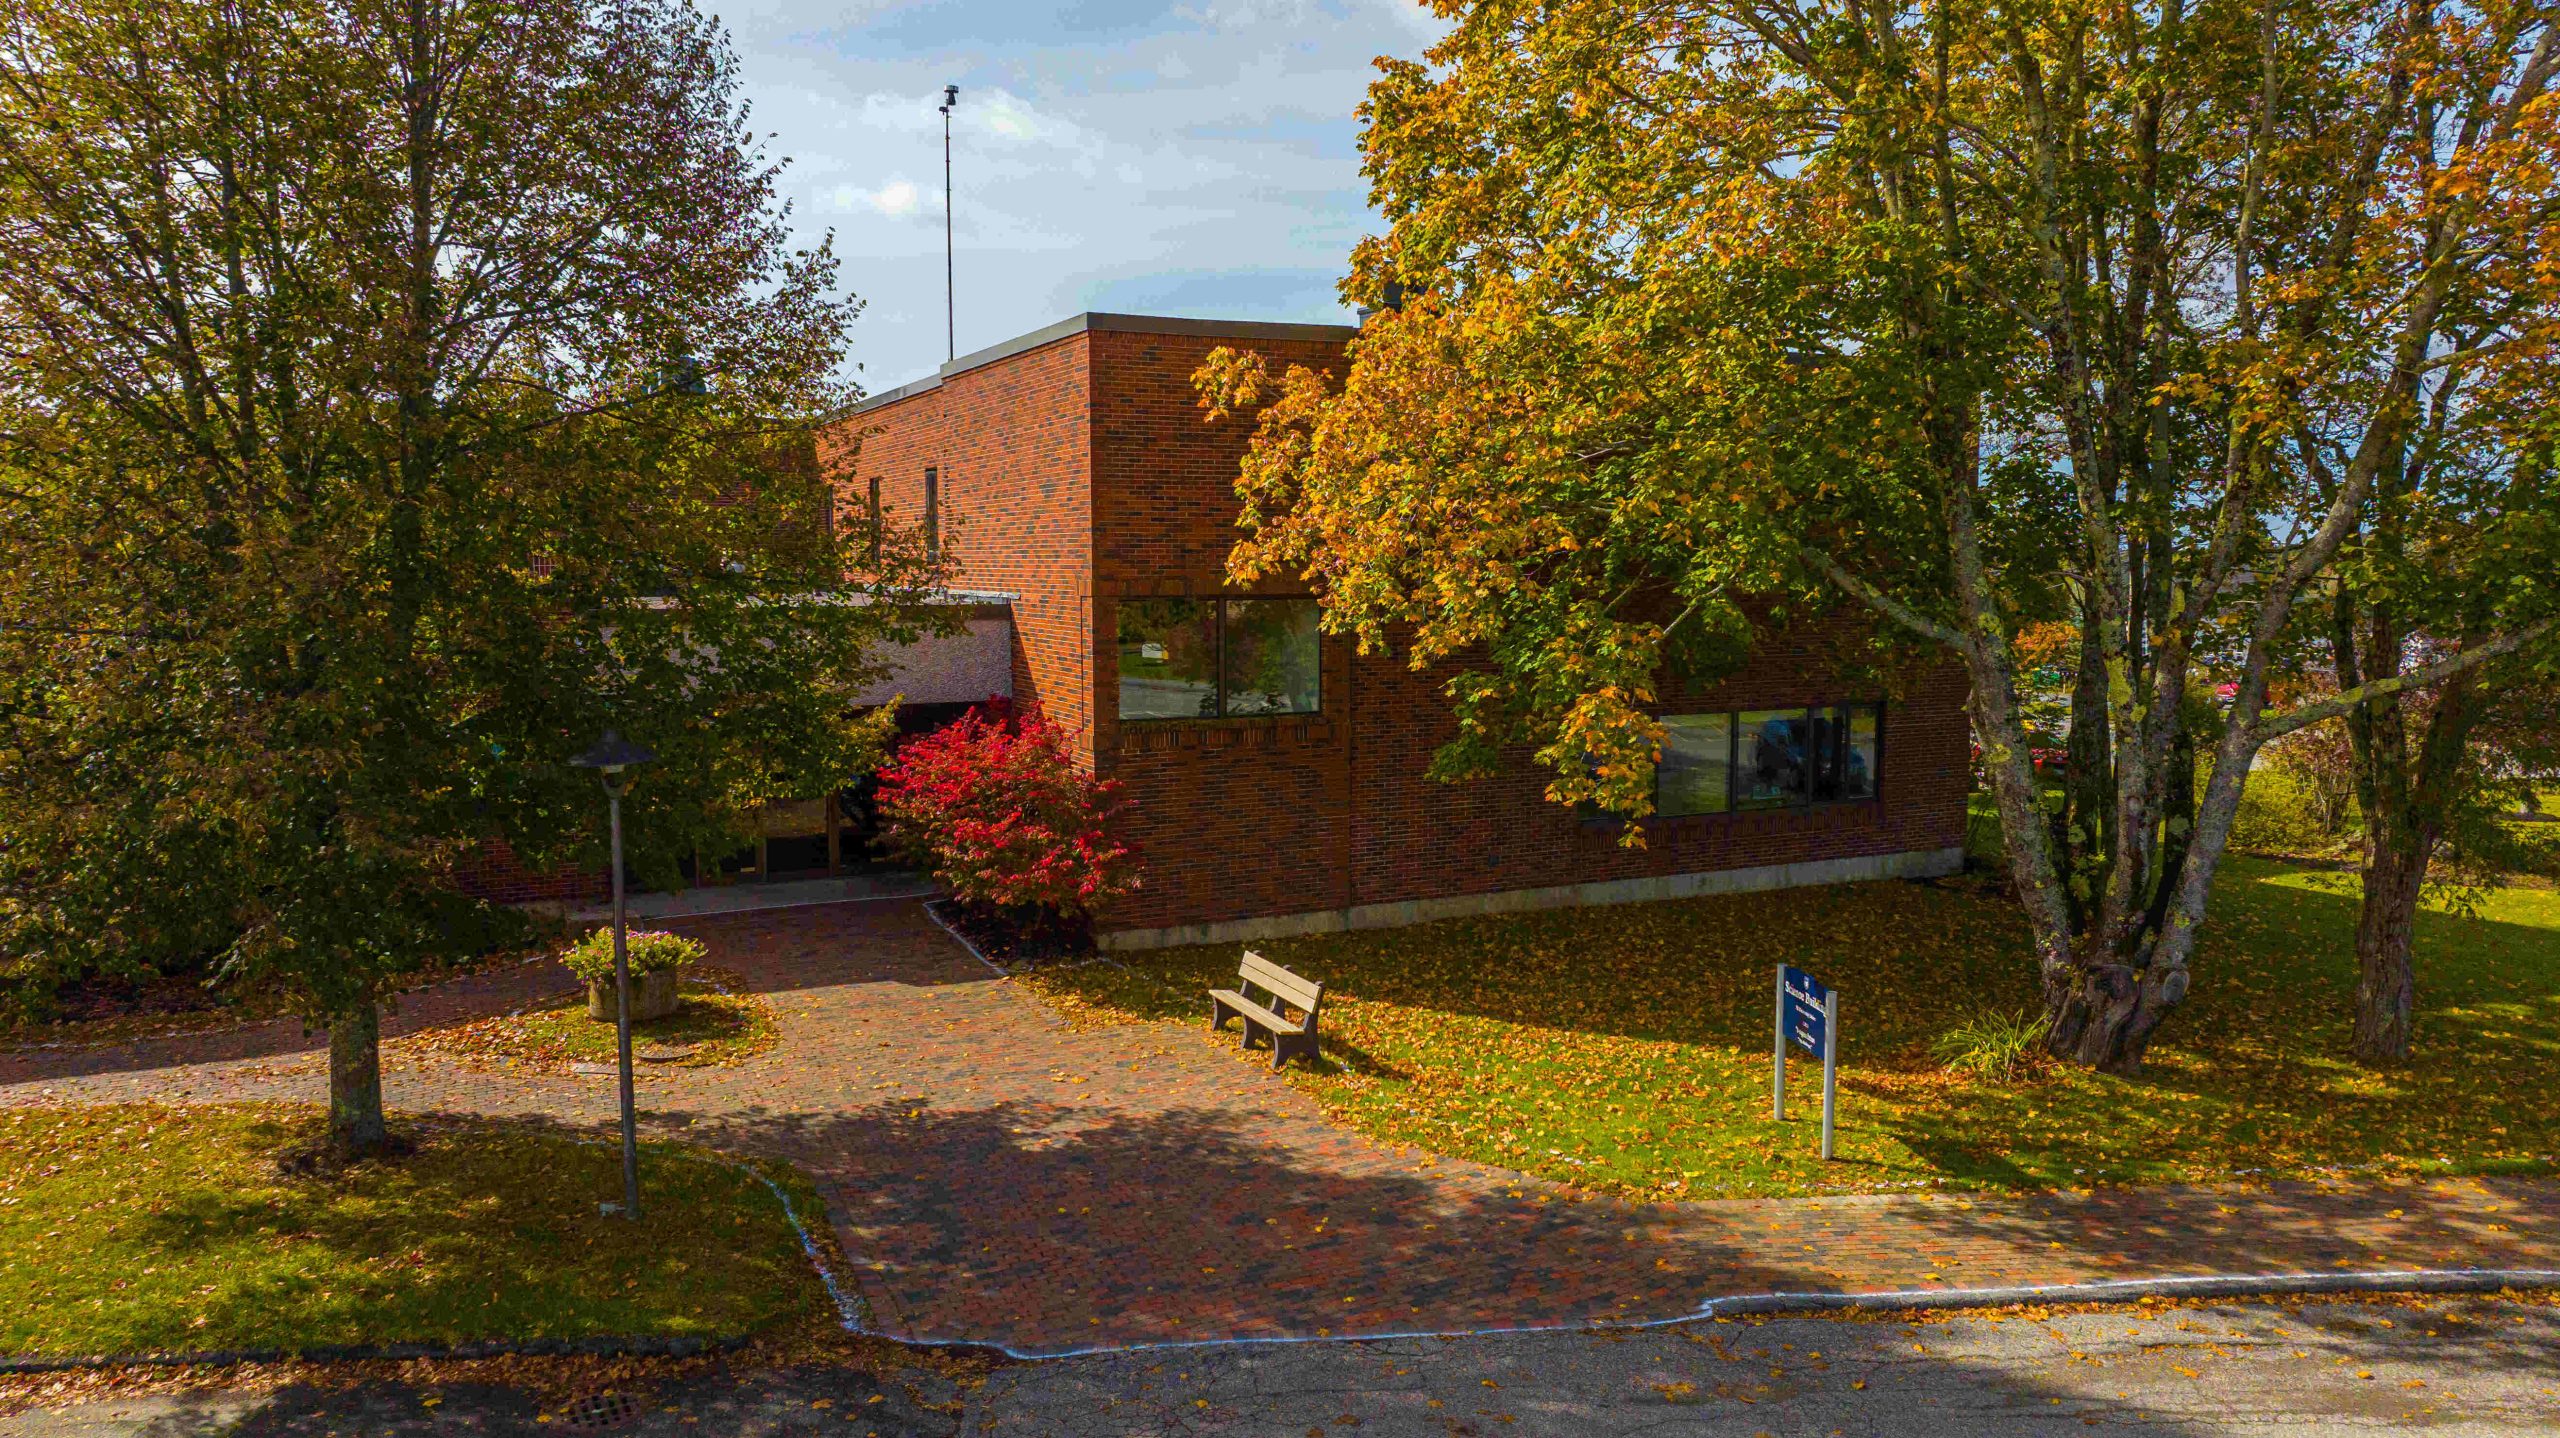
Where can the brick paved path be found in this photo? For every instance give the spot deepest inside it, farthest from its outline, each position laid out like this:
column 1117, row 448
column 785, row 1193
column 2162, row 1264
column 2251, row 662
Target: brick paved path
column 999, row 1179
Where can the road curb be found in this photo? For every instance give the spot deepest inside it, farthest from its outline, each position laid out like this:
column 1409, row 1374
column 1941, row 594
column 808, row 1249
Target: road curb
column 1779, row 1305
column 2134, row 1290
column 600, row 1347
column 962, row 939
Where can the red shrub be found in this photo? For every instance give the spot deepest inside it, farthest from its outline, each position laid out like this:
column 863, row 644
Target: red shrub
column 1002, row 816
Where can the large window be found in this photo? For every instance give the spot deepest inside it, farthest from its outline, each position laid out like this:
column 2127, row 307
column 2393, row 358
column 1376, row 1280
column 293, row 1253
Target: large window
column 1218, row 658
column 1695, row 776
column 1768, row 759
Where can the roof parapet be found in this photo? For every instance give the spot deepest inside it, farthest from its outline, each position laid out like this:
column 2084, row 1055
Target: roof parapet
column 1093, row 321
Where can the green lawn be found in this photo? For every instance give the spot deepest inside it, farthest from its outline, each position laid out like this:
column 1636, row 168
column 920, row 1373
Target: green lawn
column 140, row 1228
column 1627, row 1049
column 717, row 1025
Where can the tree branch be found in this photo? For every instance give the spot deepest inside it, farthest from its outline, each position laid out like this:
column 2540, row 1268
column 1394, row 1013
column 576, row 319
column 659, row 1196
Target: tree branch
column 1892, row 608
column 2471, row 658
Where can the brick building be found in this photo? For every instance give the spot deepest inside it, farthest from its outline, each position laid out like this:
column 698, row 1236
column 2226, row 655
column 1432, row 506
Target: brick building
column 1278, row 778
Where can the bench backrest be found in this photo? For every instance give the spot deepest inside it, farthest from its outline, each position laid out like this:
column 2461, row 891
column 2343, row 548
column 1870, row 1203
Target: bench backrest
column 1280, row 983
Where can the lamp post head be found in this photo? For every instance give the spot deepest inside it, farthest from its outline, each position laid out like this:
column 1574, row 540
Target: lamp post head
column 613, row 754
column 950, row 99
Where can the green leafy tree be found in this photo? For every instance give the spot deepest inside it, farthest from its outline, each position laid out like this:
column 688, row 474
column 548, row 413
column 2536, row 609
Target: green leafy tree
column 396, row 394
column 1972, row 316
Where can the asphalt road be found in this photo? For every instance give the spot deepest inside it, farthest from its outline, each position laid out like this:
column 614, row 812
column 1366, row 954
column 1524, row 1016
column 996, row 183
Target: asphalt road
column 2450, row 1367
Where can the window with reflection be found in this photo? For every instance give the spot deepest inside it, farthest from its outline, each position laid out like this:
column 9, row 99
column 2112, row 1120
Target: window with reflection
column 1168, row 659
column 1769, row 759
column 1863, row 758
column 1272, row 648
column 1844, row 751
column 1772, row 767
column 1219, row 658
column 1697, row 765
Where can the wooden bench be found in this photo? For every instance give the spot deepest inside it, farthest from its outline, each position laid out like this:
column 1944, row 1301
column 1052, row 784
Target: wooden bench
column 1286, row 991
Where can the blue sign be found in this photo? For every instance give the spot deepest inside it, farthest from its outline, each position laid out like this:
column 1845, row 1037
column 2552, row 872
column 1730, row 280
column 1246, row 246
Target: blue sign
column 1806, row 998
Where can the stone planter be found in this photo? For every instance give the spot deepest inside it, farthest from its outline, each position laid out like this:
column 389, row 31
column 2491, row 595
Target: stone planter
column 653, row 996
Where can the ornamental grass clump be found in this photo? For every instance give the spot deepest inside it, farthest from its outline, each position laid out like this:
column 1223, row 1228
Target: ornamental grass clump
column 1995, row 1045
column 995, row 808
column 648, row 951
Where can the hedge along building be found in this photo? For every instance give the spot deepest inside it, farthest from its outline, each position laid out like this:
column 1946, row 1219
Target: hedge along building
column 1278, row 777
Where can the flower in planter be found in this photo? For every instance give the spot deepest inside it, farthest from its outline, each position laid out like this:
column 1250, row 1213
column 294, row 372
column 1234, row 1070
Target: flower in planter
column 648, row 951
column 657, row 960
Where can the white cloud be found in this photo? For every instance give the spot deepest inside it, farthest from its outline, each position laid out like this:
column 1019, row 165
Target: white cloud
column 895, row 199
column 1203, row 158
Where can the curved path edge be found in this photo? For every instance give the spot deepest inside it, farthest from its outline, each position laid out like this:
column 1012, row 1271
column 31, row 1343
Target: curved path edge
column 1910, row 1300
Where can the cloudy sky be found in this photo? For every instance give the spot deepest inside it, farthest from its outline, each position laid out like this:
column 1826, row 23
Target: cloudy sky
column 1183, row 157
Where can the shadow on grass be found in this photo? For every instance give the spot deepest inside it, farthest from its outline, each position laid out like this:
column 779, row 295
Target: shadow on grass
column 2250, row 1074
column 162, row 1229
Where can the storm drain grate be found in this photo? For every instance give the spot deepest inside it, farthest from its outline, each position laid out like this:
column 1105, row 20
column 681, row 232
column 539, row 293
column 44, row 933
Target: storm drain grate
column 600, row 1412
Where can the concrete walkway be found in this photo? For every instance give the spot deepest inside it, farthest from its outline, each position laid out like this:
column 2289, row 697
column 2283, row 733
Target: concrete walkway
column 1000, row 1179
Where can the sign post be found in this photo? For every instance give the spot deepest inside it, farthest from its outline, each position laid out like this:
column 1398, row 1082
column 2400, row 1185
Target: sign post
column 1830, row 1061
column 1809, row 1013
column 1778, row 1083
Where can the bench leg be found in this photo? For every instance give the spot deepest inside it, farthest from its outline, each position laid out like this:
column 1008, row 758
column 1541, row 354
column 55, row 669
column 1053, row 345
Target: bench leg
column 1219, row 1013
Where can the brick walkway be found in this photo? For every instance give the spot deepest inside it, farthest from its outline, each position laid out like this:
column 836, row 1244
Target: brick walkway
column 1000, row 1179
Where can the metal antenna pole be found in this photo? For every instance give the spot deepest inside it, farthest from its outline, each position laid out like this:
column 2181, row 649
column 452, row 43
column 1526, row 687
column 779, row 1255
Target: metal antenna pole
column 622, row 1017
column 950, row 303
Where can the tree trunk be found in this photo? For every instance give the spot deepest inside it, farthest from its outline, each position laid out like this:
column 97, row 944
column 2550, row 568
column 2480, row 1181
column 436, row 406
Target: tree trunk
column 355, row 1080
column 2395, row 871
column 2106, row 1019
column 2089, row 803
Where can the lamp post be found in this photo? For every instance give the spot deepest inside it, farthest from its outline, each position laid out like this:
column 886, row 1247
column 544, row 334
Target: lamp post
column 609, row 758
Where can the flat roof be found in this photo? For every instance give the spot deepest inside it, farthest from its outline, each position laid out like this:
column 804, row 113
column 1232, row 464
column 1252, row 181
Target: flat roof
column 1112, row 323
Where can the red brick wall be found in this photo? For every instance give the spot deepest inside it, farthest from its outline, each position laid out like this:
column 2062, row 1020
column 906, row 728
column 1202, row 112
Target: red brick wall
column 1235, row 817
column 493, row 872
column 1077, row 509
column 1165, row 477
column 1417, row 838
column 1012, row 441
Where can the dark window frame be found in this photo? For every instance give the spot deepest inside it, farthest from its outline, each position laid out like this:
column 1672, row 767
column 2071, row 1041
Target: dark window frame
column 1218, row 663
column 875, row 532
column 1733, row 763
column 932, row 512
